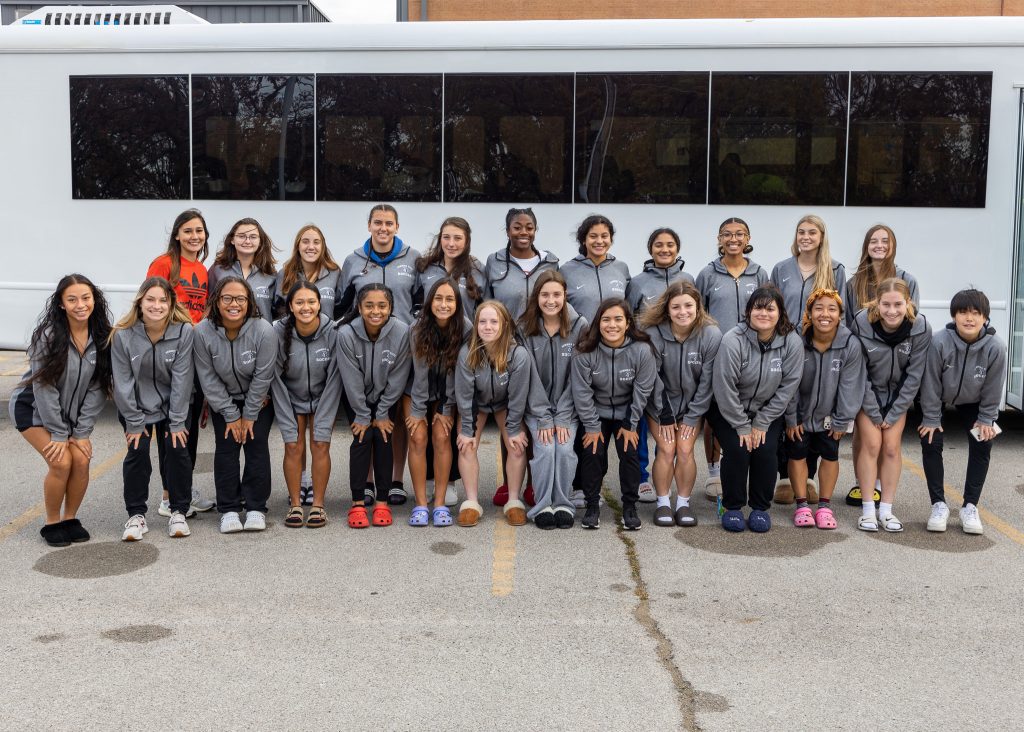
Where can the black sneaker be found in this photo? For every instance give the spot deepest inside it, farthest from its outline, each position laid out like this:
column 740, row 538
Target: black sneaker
column 630, row 521
column 592, row 518
column 545, row 520
column 564, row 519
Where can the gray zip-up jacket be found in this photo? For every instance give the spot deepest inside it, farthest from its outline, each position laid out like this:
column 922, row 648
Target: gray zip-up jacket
column 71, row 408
column 753, row 383
column 894, row 373
column 552, row 357
column 307, row 381
column 434, row 272
column 958, row 372
column 795, row 289
column 374, row 372
column 328, row 283
column 853, row 306
column 650, row 284
column 399, row 275
column 433, row 384
column 509, row 284
column 831, row 385
column 240, row 370
column 153, row 381
column 725, row 298
column 489, row 391
column 587, row 284
column 264, row 286
column 613, row 383
column 685, row 374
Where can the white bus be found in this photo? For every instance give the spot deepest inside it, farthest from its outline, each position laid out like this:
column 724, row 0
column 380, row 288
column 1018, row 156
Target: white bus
column 109, row 132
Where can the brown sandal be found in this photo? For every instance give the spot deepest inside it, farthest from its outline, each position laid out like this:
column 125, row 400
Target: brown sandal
column 317, row 518
column 295, row 518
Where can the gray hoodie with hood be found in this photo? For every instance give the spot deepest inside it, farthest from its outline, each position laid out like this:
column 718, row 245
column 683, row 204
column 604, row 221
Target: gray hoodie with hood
column 374, row 372
column 264, row 286
column 487, row 390
column 242, row 369
column 725, row 297
column 307, row 381
column 958, row 372
column 755, row 382
column 153, row 381
column 588, row 284
column 552, row 357
column 650, row 284
column 328, row 284
column 786, row 276
column 509, row 284
column 398, row 274
column 894, row 372
column 613, row 383
column 831, row 385
column 683, row 393
column 853, row 306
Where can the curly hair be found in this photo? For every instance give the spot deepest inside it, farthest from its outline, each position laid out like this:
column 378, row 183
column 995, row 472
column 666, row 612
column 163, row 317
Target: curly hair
column 434, row 344
column 252, row 310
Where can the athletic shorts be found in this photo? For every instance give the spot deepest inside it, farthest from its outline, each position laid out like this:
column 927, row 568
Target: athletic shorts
column 817, row 442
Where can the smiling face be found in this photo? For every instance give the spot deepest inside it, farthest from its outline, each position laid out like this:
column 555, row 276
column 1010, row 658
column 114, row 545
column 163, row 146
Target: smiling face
column 453, row 241
column 375, row 310
column 733, row 238
column 305, row 306
column 598, row 242
column 382, row 227
column 764, row 318
column 521, row 233
column 664, row 250
column 808, row 238
column 155, row 306
column 825, row 316
column 233, row 304
column 551, row 299
column 682, row 311
column 246, row 240
column 969, row 324
column 311, row 246
column 488, row 325
column 78, row 303
column 443, row 304
column 879, row 244
column 192, row 237
column 613, row 326
column 892, row 308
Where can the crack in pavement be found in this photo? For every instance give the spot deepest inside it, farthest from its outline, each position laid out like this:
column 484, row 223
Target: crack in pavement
column 686, row 696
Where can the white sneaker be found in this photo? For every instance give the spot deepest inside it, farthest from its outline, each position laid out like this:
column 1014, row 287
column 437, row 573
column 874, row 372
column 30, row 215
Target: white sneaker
column 135, row 528
column 165, row 508
column 177, row 527
column 940, row 516
column 230, row 523
column 646, row 493
column 451, row 496
column 255, row 521
column 201, row 504
column 713, row 483
column 970, row 521
column 306, row 479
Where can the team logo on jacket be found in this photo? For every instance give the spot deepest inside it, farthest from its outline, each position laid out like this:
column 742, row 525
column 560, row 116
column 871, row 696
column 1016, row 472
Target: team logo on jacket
column 750, row 287
column 247, row 357
column 775, row 366
column 837, row 364
column 327, row 293
column 403, row 270
column 321, row 355
column 617, row 286
column 627, row 374
column 261, row 292
column 387, row 356
column 567, row 349
column 693, row 358
column 980, row 372
column 169, row 355
column 503, row 378
column 903, row 348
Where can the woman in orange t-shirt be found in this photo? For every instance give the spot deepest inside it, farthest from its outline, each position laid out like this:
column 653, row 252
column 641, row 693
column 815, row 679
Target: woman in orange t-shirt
column 182, row 266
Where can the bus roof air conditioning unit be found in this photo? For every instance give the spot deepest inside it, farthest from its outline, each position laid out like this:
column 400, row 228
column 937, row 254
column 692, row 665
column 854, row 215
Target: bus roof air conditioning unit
column 78, row 15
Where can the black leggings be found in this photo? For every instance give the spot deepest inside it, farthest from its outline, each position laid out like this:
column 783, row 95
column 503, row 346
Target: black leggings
column 738, row 464
column 254, row 486
column 175, row 470
column 593, row 467
column 978, row 455
column 378, row 450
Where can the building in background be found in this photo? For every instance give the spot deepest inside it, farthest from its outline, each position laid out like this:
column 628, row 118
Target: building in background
column 213, row 11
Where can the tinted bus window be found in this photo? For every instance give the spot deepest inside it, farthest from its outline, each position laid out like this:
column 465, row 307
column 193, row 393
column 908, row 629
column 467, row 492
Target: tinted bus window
column 778, row 138
column 508, row 138
column 919, row 139
column 252, row 137
column 379, row 138
column 641, row 138
column 129, row 137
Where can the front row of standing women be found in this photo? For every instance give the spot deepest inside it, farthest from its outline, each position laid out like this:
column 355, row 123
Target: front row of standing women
column 557, row 386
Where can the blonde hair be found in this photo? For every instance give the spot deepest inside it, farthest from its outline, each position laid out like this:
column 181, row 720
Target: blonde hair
column 657, row 313
column 293, row 268
column 824, row 279
column 494, row 353
column 817, row 294
column 865, row 282
column 891, row 284
column 176, row 313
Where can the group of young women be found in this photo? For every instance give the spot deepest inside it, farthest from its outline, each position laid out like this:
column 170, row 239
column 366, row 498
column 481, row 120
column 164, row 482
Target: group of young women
column 420, row 350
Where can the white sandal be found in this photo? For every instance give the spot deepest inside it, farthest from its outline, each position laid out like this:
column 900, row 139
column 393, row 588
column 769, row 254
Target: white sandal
column 891, row 524
column 867, row 523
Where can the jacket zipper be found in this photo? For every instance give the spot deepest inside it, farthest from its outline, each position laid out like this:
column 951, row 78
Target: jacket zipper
column 963, row 370
column 309, row 380
column 760, row 375
column 235, row 371
column 74, row 392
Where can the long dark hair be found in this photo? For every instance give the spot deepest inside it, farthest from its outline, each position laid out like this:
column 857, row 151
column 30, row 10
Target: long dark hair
column 529, row 322
column 592, row 335
column 252, row 310
column 53, row 335
column 289, row 321
column 263, row 260
column 435, row 344
column 361, row 295
column 464, row 264
column 509, row 215
column 589, row 223
column 761, row 297
column 174, row 246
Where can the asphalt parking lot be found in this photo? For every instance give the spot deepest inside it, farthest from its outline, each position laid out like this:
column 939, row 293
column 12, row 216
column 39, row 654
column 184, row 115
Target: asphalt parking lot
column 513, row 628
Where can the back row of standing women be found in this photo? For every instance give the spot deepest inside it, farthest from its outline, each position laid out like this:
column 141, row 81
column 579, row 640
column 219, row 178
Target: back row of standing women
column 550, row 350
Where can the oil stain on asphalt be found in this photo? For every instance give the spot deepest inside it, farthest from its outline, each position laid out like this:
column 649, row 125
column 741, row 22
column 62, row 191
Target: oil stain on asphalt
column 97, row 559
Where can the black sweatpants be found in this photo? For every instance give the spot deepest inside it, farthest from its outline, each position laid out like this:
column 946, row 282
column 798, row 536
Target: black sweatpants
column 375, row 449
column 739, row 465
column 978, row 454
column 175, row 470
column 254, row 486
column 593, row 467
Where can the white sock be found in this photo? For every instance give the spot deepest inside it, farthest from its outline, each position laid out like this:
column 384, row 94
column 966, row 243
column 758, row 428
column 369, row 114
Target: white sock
column 884, row 509
column 682, row 502
column 664, row 501
column 867, row 508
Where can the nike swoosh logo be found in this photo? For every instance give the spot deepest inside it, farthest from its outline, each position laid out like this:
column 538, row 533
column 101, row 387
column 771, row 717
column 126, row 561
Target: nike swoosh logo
column 594, row 373
column 580, row 287
column 135, row 357
column 785, row 280
column 718, row 288
column 872, row 350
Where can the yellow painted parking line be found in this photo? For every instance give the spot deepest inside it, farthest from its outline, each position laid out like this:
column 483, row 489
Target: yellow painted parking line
column 34, row 512
column 990, row 518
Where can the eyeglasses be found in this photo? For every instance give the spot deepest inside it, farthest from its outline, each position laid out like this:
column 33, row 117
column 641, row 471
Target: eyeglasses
column 726, row 236
column 228, row 299
column 252, row 236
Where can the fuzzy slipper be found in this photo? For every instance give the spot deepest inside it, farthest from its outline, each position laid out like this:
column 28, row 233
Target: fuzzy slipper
column 515, row 513
column 470, row 513
column 812, row 491
column 783, row 491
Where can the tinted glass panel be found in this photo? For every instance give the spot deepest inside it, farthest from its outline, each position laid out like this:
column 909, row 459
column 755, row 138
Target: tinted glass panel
column 380, row 138
column 778, row 138
column 129, row 137
column 508, row 138
column 252, row 137
column 919, row 139
column 641, row 138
